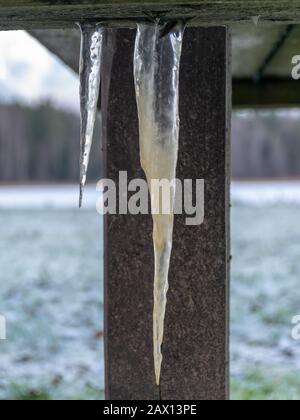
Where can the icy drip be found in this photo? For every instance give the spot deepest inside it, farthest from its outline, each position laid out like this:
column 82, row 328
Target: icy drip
column 255, row 20
column 89, row 71
column 156, row 71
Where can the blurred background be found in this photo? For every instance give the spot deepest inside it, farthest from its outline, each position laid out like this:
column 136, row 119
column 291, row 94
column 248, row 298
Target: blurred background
column 51, row 253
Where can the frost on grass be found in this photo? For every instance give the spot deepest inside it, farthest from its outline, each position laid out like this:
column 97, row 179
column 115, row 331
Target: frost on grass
column 53, row 311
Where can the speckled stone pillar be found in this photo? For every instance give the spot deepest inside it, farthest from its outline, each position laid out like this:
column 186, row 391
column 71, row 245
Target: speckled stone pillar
column 195, row 350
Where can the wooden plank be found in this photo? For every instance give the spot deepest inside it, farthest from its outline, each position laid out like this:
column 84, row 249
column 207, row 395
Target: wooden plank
column 281, row 65
column 128, row 248
column 251, row 44
column 195, row 349
column 268, row 93
column 29, row 14
column 249, row 51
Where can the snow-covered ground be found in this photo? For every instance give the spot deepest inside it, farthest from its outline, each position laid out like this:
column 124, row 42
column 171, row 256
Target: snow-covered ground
column 46, row 196
column 263, row 193
column 51, row 293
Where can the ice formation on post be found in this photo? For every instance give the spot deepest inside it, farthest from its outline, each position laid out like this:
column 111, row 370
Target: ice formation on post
column 255, row 20
column 156, row 71
column 89, row 73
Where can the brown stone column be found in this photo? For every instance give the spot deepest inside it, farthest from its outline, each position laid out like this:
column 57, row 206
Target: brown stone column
column 195, row 350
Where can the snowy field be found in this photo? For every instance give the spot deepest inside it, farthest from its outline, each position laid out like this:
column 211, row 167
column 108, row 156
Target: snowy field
column 51, row 292
column 265, row 293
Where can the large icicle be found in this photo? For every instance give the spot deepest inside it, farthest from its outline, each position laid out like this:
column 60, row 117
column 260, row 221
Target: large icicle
column 89, row 71
column 156, row 71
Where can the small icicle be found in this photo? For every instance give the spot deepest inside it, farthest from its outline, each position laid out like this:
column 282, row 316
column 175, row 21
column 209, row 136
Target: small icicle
column 89, row 72
column 255, row 20
column 156, row 71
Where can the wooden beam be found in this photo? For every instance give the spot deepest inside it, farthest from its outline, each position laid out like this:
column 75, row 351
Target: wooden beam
column 30, row 14
column 280, row 67
column 251, row 44
column 64, row 43
column 268, row 93
column 195, row 365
